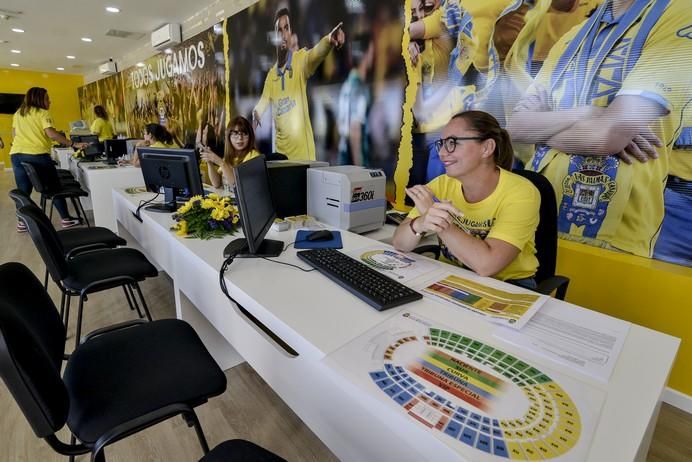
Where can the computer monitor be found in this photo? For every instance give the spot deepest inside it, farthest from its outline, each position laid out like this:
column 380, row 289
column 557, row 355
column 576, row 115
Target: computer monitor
column 257, row 212
column 174, row 170
column 114, row 149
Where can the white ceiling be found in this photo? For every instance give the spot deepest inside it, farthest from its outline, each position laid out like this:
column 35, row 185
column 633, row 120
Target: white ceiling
column 54, row 28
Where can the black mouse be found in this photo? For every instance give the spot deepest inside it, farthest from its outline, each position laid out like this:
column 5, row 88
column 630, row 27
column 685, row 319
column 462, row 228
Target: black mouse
column 321, row 235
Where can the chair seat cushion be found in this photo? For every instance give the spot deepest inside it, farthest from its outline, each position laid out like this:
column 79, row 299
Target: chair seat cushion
column 100, row 265
column 240, row 451
column 121, row 375
column 77, row 237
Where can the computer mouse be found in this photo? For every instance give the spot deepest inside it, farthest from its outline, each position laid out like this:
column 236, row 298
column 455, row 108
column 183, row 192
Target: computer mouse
column 321, row 235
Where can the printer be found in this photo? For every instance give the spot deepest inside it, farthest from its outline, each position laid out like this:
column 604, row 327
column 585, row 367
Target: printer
column 347, row 197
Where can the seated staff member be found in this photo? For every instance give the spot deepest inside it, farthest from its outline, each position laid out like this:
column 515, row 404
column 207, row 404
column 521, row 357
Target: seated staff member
column 485, row 216
column 240, row 147
column 155, row 136
column 33, row 131
column 101, row 126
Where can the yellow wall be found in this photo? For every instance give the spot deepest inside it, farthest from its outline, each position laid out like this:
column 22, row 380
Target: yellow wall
column 62, row 89
column 647, row 292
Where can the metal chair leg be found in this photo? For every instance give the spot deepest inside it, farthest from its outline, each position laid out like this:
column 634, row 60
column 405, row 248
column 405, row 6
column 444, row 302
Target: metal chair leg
column 144, row 303
column 68, row 298
column 127, row 296
column 73, row 441
column 45, row 280
column 62, row 306
column 78, row 334
column 134, row 300
column 192, row 421
column 81, row 207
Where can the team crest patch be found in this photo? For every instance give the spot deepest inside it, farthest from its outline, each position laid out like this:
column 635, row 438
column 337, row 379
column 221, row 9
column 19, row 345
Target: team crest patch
column 587, row 191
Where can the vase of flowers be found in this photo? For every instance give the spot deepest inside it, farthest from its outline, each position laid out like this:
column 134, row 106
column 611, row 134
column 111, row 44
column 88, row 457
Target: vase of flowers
column 206, row 217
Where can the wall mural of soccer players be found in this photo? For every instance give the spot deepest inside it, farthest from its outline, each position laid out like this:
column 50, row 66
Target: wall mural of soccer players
column 107, row 93
column 595, row 94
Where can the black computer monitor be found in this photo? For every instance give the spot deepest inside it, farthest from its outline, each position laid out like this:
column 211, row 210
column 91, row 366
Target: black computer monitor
column 91, row 139
column 174, row 170
column 257, row 212
column 114, row 149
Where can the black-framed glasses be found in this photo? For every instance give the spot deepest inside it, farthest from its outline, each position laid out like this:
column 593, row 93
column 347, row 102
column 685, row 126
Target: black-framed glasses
column 238, row 133
column 450, row 143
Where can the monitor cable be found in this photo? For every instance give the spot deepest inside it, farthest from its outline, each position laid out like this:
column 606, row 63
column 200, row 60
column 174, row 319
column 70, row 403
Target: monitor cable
column 136, row 213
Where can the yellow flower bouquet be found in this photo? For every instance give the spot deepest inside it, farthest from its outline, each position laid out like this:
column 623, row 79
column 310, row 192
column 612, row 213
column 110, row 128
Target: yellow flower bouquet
column 206, row 217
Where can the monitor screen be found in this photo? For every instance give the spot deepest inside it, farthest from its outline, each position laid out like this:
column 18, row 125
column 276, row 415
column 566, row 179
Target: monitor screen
column 257, row 212
column 114, row 149
column 10, row 102
column 91, row 139
column 175, row 170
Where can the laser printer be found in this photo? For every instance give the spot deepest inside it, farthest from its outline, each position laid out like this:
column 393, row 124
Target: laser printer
column 347, row 197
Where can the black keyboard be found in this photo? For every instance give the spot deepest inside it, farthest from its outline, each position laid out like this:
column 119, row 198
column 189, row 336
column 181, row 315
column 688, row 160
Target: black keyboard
column 373, row 288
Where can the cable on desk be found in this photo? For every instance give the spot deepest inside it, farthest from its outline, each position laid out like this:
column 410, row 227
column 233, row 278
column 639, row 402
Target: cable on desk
column 222, row 282
column 290, row 264
column 142, row 204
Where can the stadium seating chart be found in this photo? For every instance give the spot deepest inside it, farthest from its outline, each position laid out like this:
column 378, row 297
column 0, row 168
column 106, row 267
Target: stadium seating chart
column 482, row 401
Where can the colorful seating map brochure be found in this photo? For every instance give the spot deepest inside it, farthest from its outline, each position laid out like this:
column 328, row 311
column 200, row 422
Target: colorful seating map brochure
column 484, row 402
column 511, row 309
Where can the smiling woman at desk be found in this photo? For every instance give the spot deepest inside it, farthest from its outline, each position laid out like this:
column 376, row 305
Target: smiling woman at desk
column 487, row 216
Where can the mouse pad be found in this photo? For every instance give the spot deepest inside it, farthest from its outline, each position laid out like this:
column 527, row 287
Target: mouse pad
column 303, row 243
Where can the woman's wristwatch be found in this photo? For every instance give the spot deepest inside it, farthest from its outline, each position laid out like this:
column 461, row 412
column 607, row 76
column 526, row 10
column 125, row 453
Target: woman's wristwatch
column 410, row 224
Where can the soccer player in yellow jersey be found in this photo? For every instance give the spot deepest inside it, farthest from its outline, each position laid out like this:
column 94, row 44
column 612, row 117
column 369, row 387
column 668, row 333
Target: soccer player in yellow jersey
column 484, row 215
column 603, row 113
column 101, row 126
column 285, row 89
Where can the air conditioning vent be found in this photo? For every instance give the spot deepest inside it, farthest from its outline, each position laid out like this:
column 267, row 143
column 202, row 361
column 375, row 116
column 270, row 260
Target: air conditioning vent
column 166, row 36
column 124, row 34
column 108, row 68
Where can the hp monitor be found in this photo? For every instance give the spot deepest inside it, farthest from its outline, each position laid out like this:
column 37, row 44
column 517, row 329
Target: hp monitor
column 174, row 170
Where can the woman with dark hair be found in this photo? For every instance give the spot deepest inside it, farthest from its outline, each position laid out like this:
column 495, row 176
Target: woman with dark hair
column 101, row 126
column 240, row 147
column 484, row 215
column 33, row 131
column 155, row 136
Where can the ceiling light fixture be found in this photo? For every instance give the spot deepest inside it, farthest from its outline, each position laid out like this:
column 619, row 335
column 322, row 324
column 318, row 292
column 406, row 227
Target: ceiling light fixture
column 14, row 65
column 70, row 57
column 168, row 51
column 140, row 64
column 60, row 68
column 112, row 9
column 86, row 39
column 18, row 30
column 15, row 51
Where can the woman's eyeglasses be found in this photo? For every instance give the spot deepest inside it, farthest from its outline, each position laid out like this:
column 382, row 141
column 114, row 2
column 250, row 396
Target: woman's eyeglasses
column 238, row 134
column 450, row 143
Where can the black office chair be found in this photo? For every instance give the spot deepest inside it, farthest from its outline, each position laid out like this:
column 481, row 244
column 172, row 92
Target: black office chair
column 86, row 272
column 240, row 451
column 545, row 239
column 45, row 181
column 74, row 240
column 121, row 380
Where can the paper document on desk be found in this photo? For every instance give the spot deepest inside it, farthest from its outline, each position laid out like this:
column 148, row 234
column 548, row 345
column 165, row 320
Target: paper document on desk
column 584, row 340
column 400, row 266
column 511, row 309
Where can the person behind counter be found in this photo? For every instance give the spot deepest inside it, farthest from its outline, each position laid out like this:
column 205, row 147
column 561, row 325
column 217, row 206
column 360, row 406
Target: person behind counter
column 101, row 126
column 33, row 132
column 155, row 136
column 239, row 147
column 485, row 216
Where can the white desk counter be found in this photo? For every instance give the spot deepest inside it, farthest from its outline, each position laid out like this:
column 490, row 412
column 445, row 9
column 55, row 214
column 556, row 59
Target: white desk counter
column 315, row 317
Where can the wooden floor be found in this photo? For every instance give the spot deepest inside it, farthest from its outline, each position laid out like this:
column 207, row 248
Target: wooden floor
column 248, row 409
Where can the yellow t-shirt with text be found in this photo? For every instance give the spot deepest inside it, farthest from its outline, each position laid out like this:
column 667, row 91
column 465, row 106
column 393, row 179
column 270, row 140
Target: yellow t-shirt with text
column 510, row 214
column 102, row 128
column 29, row 132
column 250, row 155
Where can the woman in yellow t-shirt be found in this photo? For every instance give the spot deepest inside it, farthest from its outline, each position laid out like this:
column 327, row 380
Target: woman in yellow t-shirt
column 33, row 132
column 239, row 147
column 101, row 126
column 485, row 216
column 155, row 136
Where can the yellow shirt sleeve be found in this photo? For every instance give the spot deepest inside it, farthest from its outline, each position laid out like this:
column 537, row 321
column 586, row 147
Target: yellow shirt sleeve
column 517, row 219
column 46, row 119
column 96, row 127
column 316, row 55
column 263, row 102
column 433, row 25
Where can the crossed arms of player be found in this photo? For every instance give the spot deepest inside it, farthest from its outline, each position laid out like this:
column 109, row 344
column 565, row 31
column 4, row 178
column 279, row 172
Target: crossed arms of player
column 621, row 128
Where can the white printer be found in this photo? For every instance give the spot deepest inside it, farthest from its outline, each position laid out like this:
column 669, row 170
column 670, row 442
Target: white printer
column 347, row 197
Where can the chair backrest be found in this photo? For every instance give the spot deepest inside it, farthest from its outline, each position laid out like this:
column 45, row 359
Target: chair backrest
column 32, row 343
column 546, row 233
column 275, row 156
column 44, row 178
column 21, row 198
column 46, row 240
